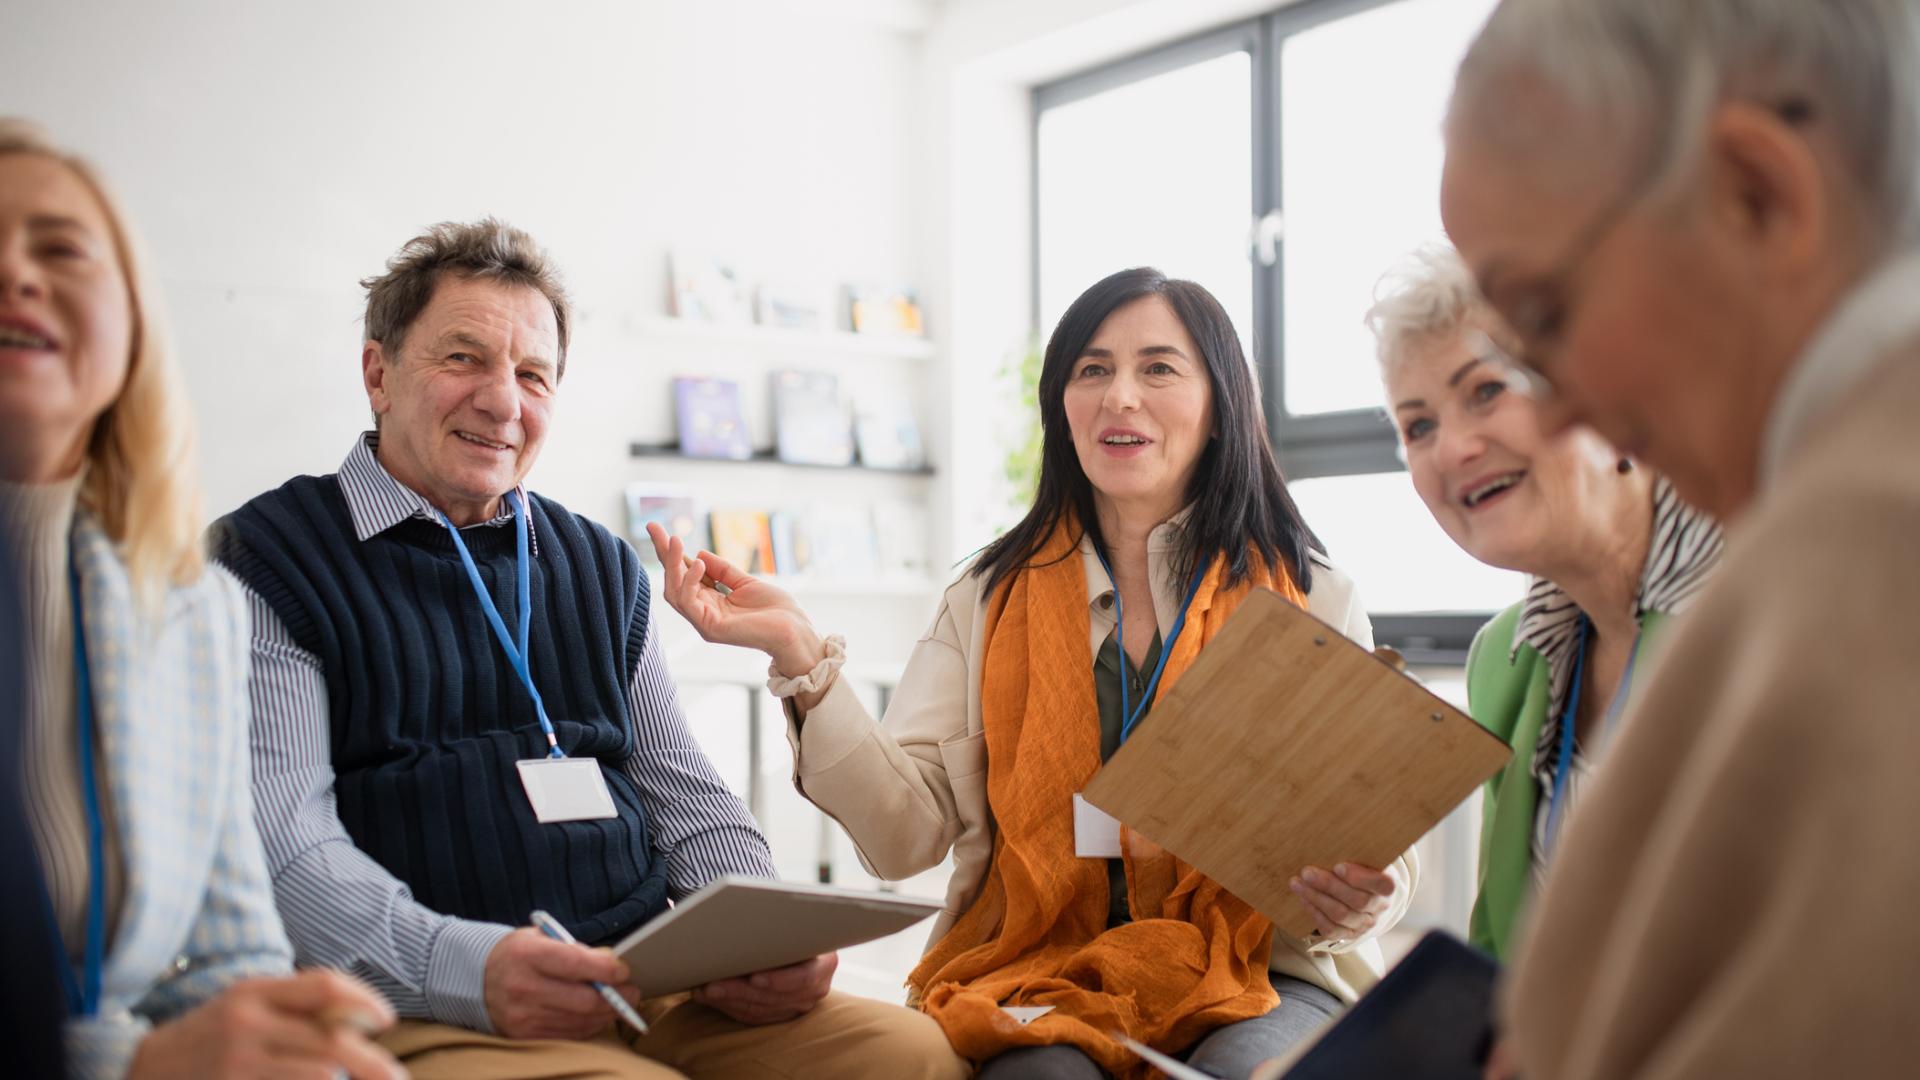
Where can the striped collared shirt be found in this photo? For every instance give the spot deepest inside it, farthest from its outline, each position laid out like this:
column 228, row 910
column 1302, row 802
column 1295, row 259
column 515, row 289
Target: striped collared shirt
column 1681, row 555
column 377, row 502
column 345, row 911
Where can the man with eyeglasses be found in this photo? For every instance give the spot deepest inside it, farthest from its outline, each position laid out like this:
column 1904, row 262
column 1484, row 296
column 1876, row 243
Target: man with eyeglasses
column 1702, row 218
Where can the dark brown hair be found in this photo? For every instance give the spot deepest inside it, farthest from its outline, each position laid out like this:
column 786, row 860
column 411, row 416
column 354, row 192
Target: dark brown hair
column 1239, row 497
column 488, row 249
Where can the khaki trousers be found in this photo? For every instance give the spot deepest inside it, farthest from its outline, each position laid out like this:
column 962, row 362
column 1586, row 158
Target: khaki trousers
column 843, row 1038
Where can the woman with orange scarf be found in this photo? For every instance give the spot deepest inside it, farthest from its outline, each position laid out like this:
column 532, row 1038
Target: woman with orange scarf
column 1160, row 506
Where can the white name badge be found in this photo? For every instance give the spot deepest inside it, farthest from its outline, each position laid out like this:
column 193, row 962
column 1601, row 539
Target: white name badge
column 1096, row 834
column 566, row 789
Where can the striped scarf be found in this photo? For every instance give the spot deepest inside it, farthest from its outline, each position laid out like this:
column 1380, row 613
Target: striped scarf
column 1684, row 549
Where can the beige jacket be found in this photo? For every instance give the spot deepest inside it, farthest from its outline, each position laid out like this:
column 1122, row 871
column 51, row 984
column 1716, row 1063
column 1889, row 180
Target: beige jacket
column 911, row 788
column 1761, row 798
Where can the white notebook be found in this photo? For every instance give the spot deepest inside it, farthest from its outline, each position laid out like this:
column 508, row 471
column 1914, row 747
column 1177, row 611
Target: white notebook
column 739, row 925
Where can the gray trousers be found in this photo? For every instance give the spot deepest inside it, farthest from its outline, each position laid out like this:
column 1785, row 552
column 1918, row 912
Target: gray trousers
column 1231, row 1051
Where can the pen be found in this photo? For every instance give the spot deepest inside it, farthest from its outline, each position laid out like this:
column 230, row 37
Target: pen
column 551, row 927
column 707, row 579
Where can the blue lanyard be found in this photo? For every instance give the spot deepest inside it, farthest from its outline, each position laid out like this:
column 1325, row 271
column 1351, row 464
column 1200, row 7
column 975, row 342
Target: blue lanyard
column 1131, row 716
column 1564, row 762
column 517, row 653
column 83, row 990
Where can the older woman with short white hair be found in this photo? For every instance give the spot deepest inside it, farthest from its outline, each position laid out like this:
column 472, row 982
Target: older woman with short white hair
column 1611, row 554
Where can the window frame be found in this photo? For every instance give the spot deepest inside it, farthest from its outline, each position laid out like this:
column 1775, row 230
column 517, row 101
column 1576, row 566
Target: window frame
column 1350, row 442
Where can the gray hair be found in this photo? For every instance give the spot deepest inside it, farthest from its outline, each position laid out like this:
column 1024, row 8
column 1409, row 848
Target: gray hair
column 488, row 249
column 1428, row 294
column 1652, row 71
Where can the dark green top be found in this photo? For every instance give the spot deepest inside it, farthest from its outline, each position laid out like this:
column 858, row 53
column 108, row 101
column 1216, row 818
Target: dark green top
column 1106, row 686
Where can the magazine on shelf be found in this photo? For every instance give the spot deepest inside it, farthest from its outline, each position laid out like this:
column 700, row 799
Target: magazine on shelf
column 673, row 508
column 884, row 427
column 885, row 311
column 795, row 306
column 810, row 421
column 705, row 289
column 745, row 539
column 711, row 423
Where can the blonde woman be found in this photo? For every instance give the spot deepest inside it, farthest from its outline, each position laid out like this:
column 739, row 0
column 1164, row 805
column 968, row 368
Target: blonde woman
column 135, row 743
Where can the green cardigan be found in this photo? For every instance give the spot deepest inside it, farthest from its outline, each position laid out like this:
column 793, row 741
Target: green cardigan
column 1509, row 698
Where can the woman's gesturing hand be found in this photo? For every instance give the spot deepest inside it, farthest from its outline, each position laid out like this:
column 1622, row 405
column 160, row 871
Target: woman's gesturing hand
column 753, row 614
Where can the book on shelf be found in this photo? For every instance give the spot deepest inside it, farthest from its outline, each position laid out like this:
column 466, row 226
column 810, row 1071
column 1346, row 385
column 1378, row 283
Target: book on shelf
column 810, row 421
column 884, row 428
column 706, row 289
column 745, row 539
column 792, row 547
column 711, row 422
column 673, row 508
column 885, row 311
column 834, row 543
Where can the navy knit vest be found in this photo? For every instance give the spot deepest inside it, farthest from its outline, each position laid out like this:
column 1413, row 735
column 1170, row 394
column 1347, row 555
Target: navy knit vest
column 427, row 716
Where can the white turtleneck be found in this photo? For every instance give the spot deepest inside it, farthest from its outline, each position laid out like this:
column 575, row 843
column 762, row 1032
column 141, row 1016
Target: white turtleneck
column 36, row 520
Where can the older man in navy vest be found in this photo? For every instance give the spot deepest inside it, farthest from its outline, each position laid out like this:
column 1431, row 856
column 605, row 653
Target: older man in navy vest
column 427, row 636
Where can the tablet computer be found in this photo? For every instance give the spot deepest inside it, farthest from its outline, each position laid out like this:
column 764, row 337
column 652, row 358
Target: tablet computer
column 739, row 925
column 1428, row 1019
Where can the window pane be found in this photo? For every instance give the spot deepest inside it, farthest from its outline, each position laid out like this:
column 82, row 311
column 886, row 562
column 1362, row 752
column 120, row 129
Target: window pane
column 1155, row 173
column 1377, row 529
column 1361, row 102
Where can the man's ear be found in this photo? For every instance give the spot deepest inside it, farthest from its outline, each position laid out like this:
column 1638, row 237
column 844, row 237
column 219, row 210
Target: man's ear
column 1768, row 186
column 373, row 375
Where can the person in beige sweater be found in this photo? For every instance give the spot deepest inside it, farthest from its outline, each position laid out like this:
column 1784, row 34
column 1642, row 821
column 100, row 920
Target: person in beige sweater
column 1156, row 465
column 1704, row 221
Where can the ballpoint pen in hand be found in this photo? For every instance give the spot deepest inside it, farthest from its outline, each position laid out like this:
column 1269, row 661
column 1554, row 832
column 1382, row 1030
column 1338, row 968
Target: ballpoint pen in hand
column 551, row 927
column 706, row 578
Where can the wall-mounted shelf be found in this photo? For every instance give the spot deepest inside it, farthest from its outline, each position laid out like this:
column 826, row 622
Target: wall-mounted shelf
column 752, row 335
column 763, row 457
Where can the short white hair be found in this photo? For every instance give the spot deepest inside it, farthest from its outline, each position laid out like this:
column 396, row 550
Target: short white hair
column 1427, row 295
column 1649, row 73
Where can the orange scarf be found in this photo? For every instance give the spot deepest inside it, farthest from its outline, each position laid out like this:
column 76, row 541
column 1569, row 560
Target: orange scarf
column 1195, row 956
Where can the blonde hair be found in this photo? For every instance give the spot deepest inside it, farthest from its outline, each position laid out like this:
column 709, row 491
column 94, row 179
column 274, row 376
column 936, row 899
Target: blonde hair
column 142, row 478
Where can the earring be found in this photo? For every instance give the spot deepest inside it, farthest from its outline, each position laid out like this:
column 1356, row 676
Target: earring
column 1623, row 466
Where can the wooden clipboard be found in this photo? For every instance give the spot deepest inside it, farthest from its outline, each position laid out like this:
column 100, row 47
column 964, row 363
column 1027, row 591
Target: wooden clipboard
column 1286, row 745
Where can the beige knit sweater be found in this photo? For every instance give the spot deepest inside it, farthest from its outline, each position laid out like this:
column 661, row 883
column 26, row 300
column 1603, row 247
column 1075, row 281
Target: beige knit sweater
column 1735, row 898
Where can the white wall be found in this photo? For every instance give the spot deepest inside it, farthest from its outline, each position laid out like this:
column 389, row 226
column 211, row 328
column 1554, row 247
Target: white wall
column 274, row 154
